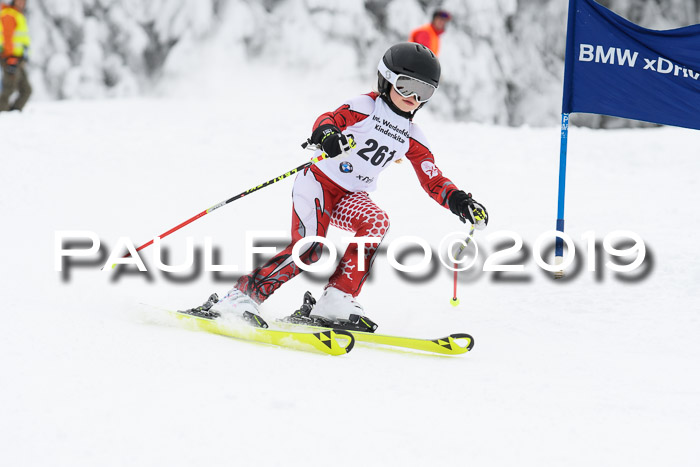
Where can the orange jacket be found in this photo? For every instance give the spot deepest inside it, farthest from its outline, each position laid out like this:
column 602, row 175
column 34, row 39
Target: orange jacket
column 14, row 37
column 428, row 36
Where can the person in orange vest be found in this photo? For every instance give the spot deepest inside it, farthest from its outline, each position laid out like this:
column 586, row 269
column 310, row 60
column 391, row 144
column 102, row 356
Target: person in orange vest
column 429, row 34
column 14, row 47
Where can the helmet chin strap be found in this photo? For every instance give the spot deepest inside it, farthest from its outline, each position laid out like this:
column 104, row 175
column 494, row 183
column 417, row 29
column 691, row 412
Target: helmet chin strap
column 409, row 115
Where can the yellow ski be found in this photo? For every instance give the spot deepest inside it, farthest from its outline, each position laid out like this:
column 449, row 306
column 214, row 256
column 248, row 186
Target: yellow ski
column 327, row 341
column 454, row 344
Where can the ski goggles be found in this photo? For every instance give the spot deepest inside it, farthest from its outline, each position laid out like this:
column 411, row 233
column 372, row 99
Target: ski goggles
column 407, row 86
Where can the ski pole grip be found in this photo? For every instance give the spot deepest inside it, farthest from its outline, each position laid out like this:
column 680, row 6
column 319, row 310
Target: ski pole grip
column 309, row 145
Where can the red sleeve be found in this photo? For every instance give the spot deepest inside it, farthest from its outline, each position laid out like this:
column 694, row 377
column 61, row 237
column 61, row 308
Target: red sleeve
column 342, row 117
column 422, row 37
column 8, row 30
column 430, row 177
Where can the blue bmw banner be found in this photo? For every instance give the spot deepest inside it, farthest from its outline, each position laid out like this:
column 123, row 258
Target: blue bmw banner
column 614, row 67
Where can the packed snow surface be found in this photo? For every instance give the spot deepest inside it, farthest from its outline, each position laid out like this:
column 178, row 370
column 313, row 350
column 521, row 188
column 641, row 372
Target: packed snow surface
column 598, row 369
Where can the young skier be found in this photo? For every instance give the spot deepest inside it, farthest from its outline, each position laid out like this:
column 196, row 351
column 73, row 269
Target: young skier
column 334, row 191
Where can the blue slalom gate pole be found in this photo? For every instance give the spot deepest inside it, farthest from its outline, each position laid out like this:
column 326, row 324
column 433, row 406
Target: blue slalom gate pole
column 559, row 245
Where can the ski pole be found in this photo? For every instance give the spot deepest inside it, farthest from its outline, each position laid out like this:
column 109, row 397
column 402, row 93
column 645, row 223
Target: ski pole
column 238, row 196
column 306, row 145
column 455, row 301
column 234, row 198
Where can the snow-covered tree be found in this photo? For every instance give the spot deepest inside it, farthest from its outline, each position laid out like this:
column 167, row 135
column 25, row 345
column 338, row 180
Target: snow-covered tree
column 502, row 59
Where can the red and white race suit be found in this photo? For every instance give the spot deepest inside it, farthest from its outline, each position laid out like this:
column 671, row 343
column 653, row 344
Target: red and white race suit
column 334, row 192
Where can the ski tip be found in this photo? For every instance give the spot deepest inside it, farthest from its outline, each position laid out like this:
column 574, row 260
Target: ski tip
column 463, row 340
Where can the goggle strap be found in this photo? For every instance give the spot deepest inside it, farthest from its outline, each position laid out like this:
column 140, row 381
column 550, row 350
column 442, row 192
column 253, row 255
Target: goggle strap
column 386, row 72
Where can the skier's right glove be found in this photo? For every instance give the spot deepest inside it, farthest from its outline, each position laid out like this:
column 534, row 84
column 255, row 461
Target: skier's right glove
column 467, row 209
column 11, row 64
column 332, row 141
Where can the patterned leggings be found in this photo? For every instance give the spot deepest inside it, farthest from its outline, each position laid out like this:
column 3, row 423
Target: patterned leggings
column 317, row 203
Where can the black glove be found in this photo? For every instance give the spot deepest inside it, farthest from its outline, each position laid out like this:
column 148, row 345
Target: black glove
column 463, row 205
column 11, row 64
column 331, row 140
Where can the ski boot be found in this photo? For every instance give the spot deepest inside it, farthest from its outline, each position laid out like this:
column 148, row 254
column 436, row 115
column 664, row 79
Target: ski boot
column 234, row 304
column 335, row 309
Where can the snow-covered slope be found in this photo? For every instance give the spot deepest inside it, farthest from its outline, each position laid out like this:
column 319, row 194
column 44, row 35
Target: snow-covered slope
column 592, row 370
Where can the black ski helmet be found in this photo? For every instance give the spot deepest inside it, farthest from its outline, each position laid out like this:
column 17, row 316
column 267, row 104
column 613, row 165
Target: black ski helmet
column 410, row 59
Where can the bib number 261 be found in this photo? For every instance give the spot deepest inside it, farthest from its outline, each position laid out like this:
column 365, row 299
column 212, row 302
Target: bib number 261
column 375, row 154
